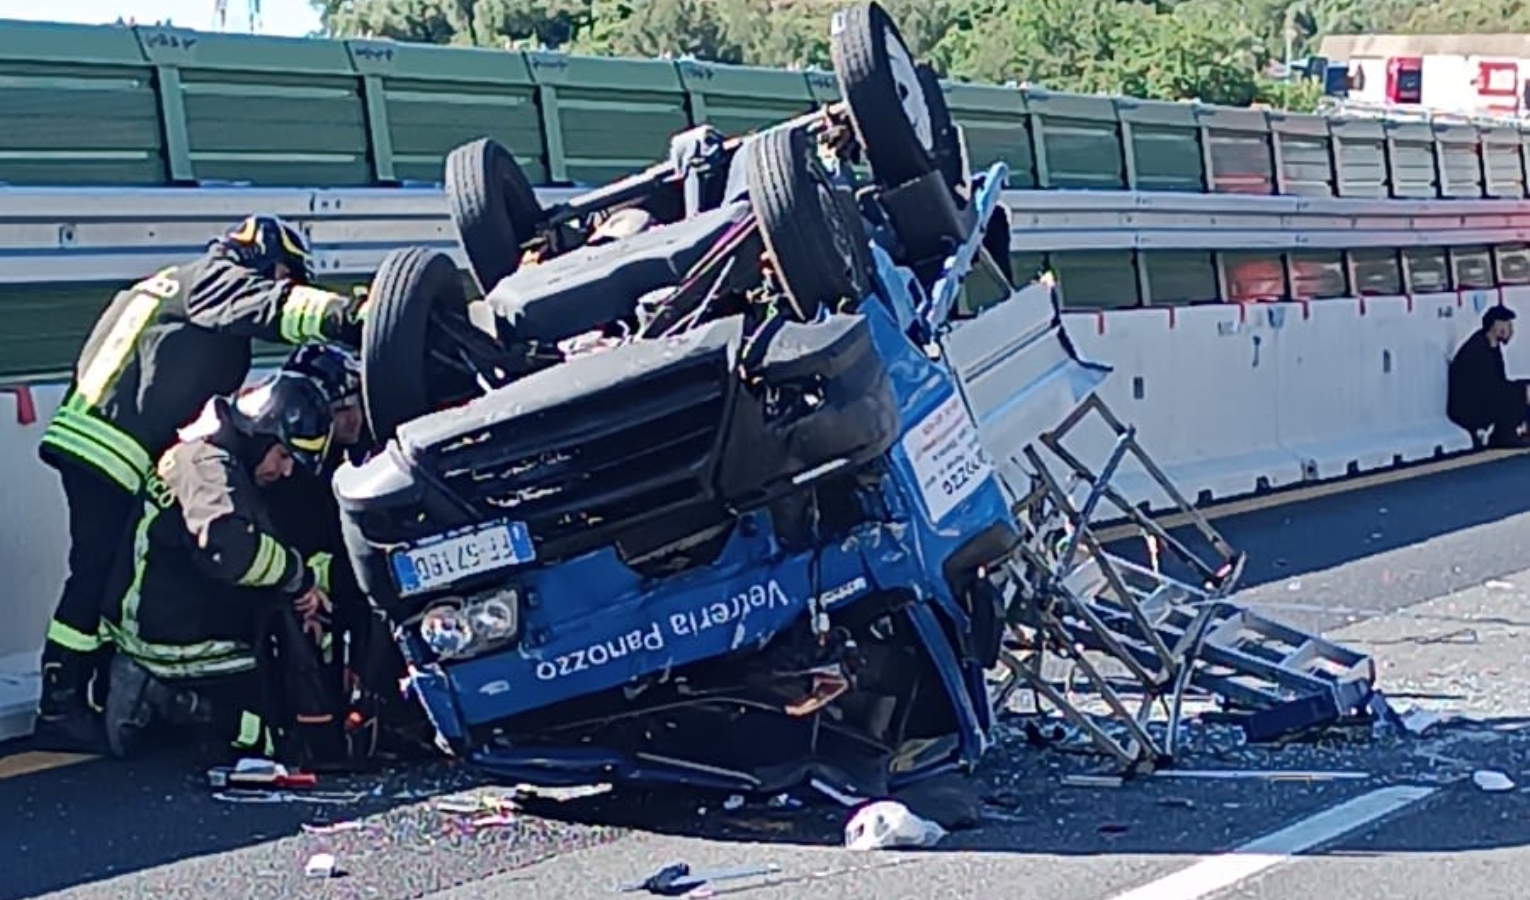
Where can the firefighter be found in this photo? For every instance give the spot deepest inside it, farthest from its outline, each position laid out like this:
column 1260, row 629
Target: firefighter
column 305, row 504
column 220, row 619
column 363, row 659
column 158, row 352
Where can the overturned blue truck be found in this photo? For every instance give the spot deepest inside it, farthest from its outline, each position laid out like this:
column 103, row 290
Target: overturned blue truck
column 731, row 493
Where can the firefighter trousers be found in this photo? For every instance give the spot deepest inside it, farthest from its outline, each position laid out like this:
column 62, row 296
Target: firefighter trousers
column 287, row 702
column 100, row 519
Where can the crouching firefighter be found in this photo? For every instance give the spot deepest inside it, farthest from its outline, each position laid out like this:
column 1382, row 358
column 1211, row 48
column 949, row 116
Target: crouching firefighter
column 220, row 620
column 365, row 660
column 160, row 350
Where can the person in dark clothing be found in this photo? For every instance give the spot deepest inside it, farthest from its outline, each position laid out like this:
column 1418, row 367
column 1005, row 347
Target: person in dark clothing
column 220, row 619
column 1479, row 394
column 158, row 352
column 305, row 504
column 364, row 660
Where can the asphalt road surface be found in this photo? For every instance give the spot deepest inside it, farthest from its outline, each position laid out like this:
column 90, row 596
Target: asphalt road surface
column 1431, row 576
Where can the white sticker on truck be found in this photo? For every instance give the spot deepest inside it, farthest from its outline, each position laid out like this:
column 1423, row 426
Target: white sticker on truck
column 947, row 457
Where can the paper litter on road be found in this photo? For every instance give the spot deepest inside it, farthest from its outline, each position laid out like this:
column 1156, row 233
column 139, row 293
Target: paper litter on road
column 887, row 824
column 1491, row 781
column 320, row 865
column 331, row 827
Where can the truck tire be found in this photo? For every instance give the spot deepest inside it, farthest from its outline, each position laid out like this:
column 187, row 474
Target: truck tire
column 816, row 246
column 947, row 147
column 410, row 285
column 493, row 207
column 886, row 97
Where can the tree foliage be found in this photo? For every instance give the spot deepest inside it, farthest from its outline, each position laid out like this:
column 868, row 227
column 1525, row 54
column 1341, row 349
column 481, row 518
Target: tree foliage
column 1213, row 50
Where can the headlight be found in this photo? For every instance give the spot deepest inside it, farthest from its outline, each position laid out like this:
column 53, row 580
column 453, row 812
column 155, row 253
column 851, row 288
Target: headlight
column 494, row 619
column 458, row 628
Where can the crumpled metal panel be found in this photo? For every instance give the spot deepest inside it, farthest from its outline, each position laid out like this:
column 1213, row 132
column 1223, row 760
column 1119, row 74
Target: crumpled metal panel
column 1020, row 374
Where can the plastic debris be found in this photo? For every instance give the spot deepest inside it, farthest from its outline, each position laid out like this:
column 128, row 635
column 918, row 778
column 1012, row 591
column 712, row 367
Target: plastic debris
column 1497, row 584
column 331, row 827
column 1093, row 781
column 677, row 879
column 1418, row 721
column 473, row 804
column 843, row 798
column 1268, row 775
column 320, row 865
column 560, row 795
column 253, row 772
column 254, row 796
column 887, row 824
column 1491, row 781
column 733, row 802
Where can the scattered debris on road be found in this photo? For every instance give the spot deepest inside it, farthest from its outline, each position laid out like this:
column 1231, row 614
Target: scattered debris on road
column 886, row 825
column 1176, row 638
column 321, row 865
column 327, row 828
column 677, row 879
column 1269, row 775
column 1491, row 781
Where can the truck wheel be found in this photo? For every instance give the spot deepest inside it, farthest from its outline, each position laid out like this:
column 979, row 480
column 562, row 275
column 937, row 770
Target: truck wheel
column 411, row 284
column 493, row 207
column 815, row 245
column 892, row 115
column 947, row 146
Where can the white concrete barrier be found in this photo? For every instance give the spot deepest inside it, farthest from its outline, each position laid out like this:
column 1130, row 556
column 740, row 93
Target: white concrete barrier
column 1233, row 399
column 33, row 547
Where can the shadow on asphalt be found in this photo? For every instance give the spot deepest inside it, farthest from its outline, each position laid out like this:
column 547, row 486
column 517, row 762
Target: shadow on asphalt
column 103, row 818
column 1325, row 533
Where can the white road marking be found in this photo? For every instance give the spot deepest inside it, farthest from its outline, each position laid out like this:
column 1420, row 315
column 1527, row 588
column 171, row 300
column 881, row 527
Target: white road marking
column 1224, row 871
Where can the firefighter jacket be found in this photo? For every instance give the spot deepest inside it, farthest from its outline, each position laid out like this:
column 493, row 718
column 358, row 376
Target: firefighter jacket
column 165, row 346
column 206, row 563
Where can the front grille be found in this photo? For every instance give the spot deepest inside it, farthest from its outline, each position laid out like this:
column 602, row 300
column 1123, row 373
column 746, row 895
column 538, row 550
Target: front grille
column 581, row 471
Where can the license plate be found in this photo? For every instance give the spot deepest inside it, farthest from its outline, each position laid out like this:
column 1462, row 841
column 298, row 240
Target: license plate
column 443, row 560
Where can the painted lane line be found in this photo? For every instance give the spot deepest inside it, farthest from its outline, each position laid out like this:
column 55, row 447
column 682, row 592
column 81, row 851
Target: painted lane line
column 33, row 761
column 1223, row 871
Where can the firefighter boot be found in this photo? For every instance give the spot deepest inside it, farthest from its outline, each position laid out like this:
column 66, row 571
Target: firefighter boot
column 65, row 720
column 134, row 701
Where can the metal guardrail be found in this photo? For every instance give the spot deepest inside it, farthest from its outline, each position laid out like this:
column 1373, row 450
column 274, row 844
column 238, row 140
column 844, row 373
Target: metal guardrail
column 79, row 235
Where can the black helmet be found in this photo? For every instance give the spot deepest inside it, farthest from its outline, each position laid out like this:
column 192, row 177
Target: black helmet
column 260, row 242
column 289, row 409
column 335, row 369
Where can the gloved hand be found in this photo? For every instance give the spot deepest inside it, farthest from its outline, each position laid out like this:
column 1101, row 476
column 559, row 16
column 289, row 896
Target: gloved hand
column 355, row 315
column 314, row 607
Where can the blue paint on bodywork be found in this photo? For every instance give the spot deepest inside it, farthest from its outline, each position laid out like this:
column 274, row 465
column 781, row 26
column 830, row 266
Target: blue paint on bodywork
column 591, row 624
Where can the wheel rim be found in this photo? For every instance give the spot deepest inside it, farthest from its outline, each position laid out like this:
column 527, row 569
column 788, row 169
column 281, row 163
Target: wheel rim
column 839, row 234
column 905, row 79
